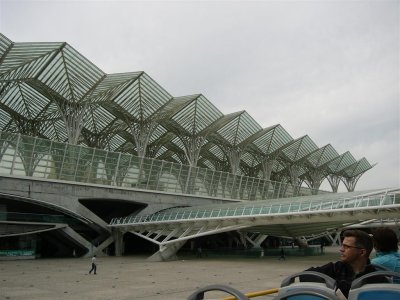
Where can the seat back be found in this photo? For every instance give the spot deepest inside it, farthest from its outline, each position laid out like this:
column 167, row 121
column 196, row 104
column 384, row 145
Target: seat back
column 291, row 290
column 307, row 293
column 199, row 293
column 361, row 290
column 374, row 291
column 383, row 268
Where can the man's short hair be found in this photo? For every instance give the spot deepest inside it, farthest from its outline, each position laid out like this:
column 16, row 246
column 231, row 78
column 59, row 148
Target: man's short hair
column 362, row 239
column 385, row 239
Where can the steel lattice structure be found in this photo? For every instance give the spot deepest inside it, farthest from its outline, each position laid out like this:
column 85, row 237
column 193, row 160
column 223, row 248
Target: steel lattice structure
column 51, row 91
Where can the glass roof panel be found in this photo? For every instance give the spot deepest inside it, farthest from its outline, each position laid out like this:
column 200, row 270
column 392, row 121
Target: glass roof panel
column 249, row 159
column 55, row 131
column 160, row 151
column 239, row 129
column 176, row 158
column 274, row 138
column 5, row 45
column 70, row 74
column 25, row 60
column 358, row 168
column 197, row 115
column 178, row 143
column 322, row 156
column 300, row 148
column 26, row 101
column 163, row 139
column 112, row 85
column 208, row 164
column 344, row 160
column 115, row 142
column 97, row 119
column 278, row 166
column 142, row 98
column 154, row 95
column 129, row 101
column 280, row 138
column 217, row 152
column 158, row 132
column 5, row 120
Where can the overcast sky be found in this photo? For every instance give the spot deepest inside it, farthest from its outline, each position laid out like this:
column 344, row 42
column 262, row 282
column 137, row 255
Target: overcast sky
column 329, row 69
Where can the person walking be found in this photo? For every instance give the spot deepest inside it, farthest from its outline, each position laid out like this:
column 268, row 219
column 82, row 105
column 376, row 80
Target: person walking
column 282, row 255
column 94, row 265
column 199, row 252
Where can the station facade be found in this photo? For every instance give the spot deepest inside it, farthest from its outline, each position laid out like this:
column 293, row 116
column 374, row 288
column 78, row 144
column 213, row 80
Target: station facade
column 63, row 119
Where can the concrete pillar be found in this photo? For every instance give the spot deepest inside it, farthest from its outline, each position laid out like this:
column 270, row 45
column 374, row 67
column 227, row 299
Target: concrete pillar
column 104, row 245
column 261, row 238
column 336, row 241
column 302, row 242
column 167, row 252
column 91, row 249
column 118, row 242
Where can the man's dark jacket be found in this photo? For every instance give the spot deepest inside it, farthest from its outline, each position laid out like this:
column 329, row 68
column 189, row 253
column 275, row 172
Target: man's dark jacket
column 343, row 274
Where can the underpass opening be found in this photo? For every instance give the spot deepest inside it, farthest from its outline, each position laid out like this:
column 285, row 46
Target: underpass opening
column 28, row 227
column 58, row 244
column 107, row 209
column 134, row 244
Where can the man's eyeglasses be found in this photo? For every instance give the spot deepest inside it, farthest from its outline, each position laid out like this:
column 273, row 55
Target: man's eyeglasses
column 345, row 247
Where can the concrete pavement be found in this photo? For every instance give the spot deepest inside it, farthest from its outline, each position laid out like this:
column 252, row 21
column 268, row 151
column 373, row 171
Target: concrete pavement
column 132, row 277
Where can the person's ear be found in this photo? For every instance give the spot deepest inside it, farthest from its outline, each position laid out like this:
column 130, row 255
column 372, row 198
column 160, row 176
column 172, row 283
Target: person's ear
column 364, row 252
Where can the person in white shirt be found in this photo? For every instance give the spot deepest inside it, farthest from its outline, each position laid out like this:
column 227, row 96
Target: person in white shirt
column 94, row 265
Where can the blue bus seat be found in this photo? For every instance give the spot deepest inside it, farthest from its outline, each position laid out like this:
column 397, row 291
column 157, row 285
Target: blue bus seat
column 199, row 293
column 291, row 290
column 361, row 290
column 307, row 293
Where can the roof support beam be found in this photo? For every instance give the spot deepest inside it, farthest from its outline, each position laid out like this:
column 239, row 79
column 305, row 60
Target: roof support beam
column 334, row 181
column 351, row 182
column 192, row 147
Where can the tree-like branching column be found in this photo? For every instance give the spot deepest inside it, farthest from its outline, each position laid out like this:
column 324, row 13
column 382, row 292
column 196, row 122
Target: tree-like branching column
column 295, row 171
column 267, row 165
column 72, row 115
column 192, row 147
column 142, row 133
column 334, row 181
column 314, row 179
column 351, row 182
column 233, row 154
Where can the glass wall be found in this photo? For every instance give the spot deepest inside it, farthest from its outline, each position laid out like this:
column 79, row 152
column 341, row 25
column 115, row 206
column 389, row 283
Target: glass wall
column 35, row 157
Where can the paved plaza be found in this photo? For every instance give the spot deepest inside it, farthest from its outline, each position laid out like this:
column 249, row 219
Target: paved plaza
column 132, row 277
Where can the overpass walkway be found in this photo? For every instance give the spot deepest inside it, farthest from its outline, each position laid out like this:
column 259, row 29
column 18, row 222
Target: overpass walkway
column 293, row 217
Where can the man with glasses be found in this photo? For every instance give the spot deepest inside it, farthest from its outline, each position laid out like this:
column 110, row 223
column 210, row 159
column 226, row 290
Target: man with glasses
column 354, row 262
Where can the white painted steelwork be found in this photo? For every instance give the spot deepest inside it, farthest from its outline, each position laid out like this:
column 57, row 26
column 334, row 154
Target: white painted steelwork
column 297, row 218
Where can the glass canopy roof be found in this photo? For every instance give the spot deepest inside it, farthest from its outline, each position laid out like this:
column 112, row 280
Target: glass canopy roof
column 51, row 91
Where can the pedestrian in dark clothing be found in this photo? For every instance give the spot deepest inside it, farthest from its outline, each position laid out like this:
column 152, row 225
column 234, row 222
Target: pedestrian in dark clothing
column 282, row 255
column 94, row 265
column 354, row 262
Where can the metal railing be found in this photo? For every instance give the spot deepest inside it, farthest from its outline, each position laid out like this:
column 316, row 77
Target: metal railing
column 22, row 155
column 381, row 200
column 31, row 217
column 16, row 253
